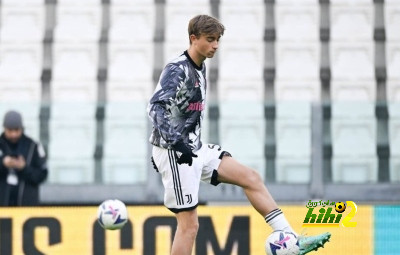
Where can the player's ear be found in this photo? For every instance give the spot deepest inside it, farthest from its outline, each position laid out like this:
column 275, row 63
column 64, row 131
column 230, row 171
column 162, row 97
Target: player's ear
column 192, row 37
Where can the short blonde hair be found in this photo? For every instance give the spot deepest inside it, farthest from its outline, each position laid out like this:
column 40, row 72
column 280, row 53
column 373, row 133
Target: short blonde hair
column 204, row 24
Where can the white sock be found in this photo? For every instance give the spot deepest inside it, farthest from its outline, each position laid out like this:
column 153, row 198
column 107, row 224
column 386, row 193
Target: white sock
column 278, row 221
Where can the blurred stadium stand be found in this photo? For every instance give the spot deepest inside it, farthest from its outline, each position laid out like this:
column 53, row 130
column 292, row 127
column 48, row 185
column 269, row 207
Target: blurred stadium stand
column 306, row 92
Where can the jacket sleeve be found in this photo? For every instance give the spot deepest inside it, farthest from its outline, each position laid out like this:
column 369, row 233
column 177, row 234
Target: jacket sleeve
column 36, row 172
column 164, row 110
column 3, row 169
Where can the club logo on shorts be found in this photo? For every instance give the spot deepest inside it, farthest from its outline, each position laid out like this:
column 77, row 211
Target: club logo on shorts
column 189, row 199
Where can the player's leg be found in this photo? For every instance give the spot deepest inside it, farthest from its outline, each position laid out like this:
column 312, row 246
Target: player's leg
column 186, row 232
column 181, row 187
column 233, row 172
column 219, row 166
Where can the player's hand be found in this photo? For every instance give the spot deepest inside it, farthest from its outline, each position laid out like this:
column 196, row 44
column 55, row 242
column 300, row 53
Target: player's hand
column 8, row 162
column 183, row 154
column 20, row 163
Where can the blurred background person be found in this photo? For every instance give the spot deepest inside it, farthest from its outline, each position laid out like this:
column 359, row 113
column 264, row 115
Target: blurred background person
column 22, row 164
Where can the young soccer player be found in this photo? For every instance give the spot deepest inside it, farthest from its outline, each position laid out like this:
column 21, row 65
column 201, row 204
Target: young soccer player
column 176, row 111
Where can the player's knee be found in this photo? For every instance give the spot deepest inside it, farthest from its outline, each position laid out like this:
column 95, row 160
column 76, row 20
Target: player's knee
column 194, row 228
column 191, row 228
column 253, row 178
column 189, row 224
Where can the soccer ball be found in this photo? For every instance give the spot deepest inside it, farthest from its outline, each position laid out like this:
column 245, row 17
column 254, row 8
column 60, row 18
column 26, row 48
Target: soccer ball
column 112, row 214
column 282, row 243
column 340, row 207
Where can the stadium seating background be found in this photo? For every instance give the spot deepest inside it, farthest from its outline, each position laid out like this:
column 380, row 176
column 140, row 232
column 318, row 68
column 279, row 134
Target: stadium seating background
column 305, row 92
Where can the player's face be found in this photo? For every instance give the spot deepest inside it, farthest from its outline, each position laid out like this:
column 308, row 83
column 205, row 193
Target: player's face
column 206, row 45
